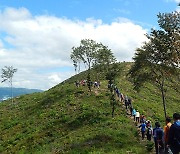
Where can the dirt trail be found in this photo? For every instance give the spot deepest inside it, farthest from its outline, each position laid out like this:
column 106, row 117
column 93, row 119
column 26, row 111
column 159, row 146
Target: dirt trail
column 143, row 142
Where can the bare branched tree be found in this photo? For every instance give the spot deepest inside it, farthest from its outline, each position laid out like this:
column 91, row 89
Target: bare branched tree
column 7, row 75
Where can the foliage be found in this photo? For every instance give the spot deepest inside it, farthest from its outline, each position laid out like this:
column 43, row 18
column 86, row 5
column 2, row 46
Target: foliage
column 112, row 73
column 94, row 55
column 7, row 75
column 158, row 59
column 170, row 25
column 104, row 58
column 86, row 53
column 150, row 146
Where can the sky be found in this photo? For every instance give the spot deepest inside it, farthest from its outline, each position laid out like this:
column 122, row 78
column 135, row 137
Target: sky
column 37, row 36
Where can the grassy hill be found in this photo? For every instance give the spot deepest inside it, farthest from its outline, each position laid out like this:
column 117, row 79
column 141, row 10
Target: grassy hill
column 66, row 119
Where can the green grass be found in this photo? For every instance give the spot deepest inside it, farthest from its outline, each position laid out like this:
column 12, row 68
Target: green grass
column 65, row 119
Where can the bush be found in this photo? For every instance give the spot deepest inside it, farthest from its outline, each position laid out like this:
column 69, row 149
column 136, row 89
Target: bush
column 149, row 146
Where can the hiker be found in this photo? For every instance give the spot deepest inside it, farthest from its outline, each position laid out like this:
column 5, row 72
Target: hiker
column 126, row 102
column 143, row 129
column 131, row 109
column 109, row 86
column 117, row 92
column 166, row 133
column 130, row 105
column 142, row 118
column 91, row 83
column 148, row 123
column 83, row 82
column 129, row 102
column 95, row 84
column 158, row 138
column 134, row 114
column 149, row 130
column 77, row 83
column 115, row 87
column 174, row 134
column 137, row 116
column 98, row 84
column 122, row 97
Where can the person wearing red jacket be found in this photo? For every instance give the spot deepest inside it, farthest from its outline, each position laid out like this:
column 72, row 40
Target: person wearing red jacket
column 166, row 133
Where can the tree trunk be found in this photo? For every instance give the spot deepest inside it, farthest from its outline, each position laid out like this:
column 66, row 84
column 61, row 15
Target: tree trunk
column 11, row 90
column 161, row 87
column 89, row 79
column 113, row 104
column 89, row 75
column 163, row 95
column 163, row 99
column 79, row 68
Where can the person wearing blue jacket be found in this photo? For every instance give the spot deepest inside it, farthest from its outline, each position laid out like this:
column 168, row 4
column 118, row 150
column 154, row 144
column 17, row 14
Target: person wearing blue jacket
column 134, row 114
column 143, row 129
column 158, row 138
column 174, row 135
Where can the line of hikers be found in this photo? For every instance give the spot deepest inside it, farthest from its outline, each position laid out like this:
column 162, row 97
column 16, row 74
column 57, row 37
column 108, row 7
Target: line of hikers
column 96, row 84
column 167, row 140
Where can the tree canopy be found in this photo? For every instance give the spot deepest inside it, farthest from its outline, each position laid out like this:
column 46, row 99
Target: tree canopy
column 158, row 59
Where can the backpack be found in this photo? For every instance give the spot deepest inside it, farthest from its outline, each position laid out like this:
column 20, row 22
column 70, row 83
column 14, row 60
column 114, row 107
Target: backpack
column 149, row 131
column 159, row 134
column 177, row 136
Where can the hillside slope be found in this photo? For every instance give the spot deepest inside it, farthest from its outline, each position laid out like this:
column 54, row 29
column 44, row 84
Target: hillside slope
column 66, row 119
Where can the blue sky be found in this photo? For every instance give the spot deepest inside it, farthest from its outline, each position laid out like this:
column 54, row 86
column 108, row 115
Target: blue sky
column 142, row 11
column 36, row 36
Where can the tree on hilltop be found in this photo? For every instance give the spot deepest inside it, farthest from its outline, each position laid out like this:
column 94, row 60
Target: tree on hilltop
column 104, row 58
column 86, row 53
column 92, row 54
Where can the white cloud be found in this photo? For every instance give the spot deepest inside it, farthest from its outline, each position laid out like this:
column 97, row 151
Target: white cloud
column 33, row 43
column 177, row 1
column 55, row 78
column 178, row 9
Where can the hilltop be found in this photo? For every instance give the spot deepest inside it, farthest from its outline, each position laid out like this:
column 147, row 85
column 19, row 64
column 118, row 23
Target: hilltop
column 67, row 119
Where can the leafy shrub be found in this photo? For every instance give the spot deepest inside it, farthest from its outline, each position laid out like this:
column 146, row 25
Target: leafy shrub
column 149, row 146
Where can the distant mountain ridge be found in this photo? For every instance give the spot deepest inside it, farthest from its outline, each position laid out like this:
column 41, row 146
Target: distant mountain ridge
column 5, row 92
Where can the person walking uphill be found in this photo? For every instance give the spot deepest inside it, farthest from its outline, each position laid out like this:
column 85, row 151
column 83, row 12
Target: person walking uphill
column 149, row 130
column 143, row 129
column 126, row 102
column 137, row 116
column 174, row 134
column 134, row 114
column 166, row 133
column 158, row 138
